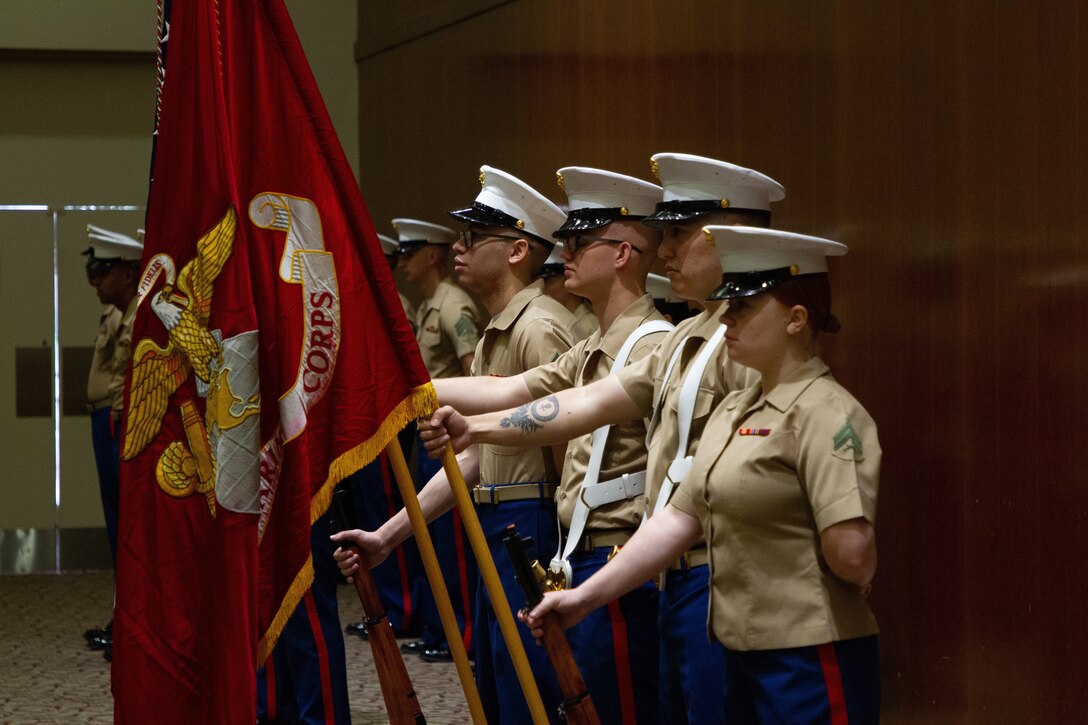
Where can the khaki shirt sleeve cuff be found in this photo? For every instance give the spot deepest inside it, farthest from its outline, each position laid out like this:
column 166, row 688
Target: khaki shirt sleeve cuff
column 536, row 381
column 849, row 506
column 639, row 385
column 681, row 499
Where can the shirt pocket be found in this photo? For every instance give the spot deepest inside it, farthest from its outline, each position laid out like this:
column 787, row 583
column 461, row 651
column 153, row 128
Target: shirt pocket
column 430, row 336
column 705, row 400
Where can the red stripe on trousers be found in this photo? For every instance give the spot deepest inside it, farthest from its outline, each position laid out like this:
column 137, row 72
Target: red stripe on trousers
column 623, row 662
column 322, row 658
column 270, row 688
column 402, row 564
column 462, row 572
column 836, row 698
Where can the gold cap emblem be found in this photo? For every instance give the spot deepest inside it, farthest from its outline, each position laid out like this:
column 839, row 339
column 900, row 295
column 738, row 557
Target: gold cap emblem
column 623, row 211
column 559, row 180
column 653, row 169
column 709, row 236
column 520, row 224
column 794, row 270
column 483, row 178
column 724, row 203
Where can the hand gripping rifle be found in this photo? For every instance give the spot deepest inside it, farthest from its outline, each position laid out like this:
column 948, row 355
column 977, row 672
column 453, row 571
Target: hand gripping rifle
column 397, row 691
column 577, row 707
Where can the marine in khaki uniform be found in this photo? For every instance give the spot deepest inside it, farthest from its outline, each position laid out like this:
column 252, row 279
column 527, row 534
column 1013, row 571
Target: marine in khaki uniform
column 585, row 322
column 608, row 253
column 696, row 190
column 446, row 321
column 447, row 330
column 400, row 580
column 508, row 238
column 102, row 362
column 113, row 269
column 389, row 248
column 784, row 487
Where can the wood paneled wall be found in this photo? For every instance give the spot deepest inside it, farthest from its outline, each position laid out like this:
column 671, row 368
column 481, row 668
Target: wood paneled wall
column 946, row 144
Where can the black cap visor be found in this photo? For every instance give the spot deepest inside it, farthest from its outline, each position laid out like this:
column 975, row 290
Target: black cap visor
column 486, row 216
column 749, row 284
column 586, row 220
column 410, row 246
column 102, row 262
column 680, row 211
column 685, row 210
column 550, row 270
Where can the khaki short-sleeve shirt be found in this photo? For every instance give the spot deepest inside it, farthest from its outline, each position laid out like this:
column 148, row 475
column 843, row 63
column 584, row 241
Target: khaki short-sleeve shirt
column 122, row 354
column 447, row 329
column 533, row 329
column 659, row 396
column 585, row 322
column 625, row 450
column 98, row 380
column 772, row 472
column 406, row 305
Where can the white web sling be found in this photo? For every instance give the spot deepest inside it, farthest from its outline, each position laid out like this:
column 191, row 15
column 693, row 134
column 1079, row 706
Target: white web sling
column 592, row 493
column 685, row 410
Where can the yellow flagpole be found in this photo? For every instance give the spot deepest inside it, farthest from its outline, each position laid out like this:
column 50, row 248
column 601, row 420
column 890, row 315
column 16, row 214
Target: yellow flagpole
column 434, row 577
column 494, row 587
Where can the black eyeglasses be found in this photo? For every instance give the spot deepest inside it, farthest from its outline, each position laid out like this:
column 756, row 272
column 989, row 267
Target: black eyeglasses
column 99, row 268
column 580, row 242
column 471, row 237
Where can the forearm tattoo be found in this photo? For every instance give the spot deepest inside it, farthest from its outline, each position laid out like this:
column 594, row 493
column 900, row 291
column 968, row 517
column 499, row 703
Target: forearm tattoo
column 532, row 416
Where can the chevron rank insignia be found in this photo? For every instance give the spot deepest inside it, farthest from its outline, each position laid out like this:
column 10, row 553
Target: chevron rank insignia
column 465, row 327
column 847, row 443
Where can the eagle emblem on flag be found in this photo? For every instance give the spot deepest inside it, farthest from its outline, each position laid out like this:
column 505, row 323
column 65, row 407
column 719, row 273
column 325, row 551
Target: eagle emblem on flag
column 184, row 305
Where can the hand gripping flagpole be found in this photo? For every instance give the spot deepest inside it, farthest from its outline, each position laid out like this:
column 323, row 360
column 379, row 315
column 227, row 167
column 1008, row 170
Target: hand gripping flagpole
column 495, row 591
column 434, row 577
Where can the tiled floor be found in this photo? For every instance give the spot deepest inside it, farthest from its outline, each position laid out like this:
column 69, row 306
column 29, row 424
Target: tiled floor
column 49, row 677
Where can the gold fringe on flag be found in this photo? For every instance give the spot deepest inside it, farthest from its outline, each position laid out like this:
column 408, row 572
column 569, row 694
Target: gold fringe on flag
column 422, row 401
column 298, row 588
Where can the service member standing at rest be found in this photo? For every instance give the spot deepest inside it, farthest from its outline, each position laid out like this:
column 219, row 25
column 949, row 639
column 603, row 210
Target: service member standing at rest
column 113, row 269
column 389, row 248
column 679, row 384
column 375, row 497
column 601, row 497
column 447, row 324
column 585, row 322
column 447, row 330
column 304, row 680
column 785, row 482
column 498, row 256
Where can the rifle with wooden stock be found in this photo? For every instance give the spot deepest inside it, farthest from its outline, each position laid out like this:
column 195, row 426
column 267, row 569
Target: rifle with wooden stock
column 400, row 696
column 577, row 707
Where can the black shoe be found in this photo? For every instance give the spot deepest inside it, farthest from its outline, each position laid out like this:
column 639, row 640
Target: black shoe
column 96, row 633
column 441, row 654
column 358, row 629
column 108, row 654
column 413, row 648
column 100, row 642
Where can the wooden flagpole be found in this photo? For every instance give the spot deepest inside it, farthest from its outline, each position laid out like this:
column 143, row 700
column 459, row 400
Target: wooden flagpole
column 434, row 577
column 494, row 587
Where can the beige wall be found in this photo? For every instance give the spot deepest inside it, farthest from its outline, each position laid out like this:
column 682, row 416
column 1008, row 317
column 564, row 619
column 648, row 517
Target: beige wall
column 78, row 85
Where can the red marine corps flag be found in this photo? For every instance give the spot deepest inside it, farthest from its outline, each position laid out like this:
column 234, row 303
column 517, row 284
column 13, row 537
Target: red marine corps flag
column 271, row 358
